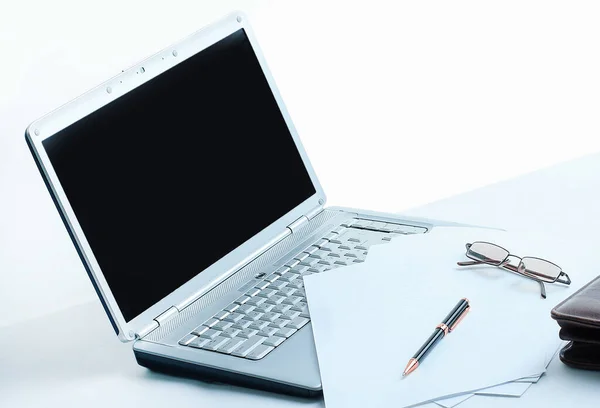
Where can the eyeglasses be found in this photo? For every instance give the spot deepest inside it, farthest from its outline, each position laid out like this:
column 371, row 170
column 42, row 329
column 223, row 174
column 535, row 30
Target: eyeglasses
column 537, row 269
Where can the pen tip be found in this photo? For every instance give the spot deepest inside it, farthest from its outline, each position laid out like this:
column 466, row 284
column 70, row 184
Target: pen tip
column 410, row 367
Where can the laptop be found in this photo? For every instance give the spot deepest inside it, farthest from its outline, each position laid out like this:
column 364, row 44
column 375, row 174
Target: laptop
column 196, row 212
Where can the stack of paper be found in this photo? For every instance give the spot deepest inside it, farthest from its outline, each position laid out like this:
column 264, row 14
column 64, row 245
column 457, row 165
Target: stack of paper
column 370, row 318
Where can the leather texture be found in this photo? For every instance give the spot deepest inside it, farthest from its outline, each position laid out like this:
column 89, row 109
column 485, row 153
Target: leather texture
column 579, row 319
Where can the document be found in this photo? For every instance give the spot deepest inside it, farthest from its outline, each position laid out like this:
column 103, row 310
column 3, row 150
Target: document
column 369, row 319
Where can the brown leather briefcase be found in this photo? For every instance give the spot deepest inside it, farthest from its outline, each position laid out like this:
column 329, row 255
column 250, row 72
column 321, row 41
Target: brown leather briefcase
column 579, row 320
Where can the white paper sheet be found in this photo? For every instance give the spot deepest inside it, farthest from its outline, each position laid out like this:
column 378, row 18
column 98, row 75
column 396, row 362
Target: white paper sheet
column 502, row 390
column 369, row 319
column 453, row 401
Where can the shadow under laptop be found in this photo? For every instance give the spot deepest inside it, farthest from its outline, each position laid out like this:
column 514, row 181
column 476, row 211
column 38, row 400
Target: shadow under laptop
column 231, row 390
column 78, row 344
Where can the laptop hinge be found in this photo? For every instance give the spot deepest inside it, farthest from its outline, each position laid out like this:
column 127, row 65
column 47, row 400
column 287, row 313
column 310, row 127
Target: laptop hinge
column 316, row 211
column 299, row 223
column 166, row 315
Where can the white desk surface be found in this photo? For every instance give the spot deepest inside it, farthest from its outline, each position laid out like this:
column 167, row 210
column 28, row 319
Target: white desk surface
column 453, row 74
column 72, row 358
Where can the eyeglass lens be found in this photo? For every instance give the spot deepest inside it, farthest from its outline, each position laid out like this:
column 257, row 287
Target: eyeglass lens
column 488, row 253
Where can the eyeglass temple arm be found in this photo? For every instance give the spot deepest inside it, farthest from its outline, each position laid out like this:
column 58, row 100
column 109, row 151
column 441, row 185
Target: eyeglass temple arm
column 469, row 263
column 513, row 268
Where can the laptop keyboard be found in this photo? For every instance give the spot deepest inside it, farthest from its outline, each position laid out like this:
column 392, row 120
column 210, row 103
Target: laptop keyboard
column 275, row 308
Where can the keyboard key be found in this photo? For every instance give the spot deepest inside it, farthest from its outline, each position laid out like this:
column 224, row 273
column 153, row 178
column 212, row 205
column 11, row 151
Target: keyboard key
column 269, row 317
column 285, row 332
column 210, row 334
column 246, row 347
column 277, row 285
column 222, row 325
column 334, row 255
column 319, row 254
column 279, row 323
column 328, row 247
column 247, row 333
column 351, row 255
column 323, row 262
column 230, row 332
column 288, row 276
column 310, row 261
column 341, row 263
column 386, row 238
column 253, row 316
column 242, row 324
column 361, row 223
column 200, row 329
column 358, row 260
column 304, row 313
column 258, row 325
column 296, row 283
column 231, row 345
column 300, row 306
column 330, row 236
column 298, row 323
column 211, row 322
column 199, row 342
column 265, row 308
column 188, row 339
column 348, row 223
column 300, row 292
column 290, row 314
column 272, row 277
column 353, row 239
column 344, row 247
column 256, row 301
column 273, row 341
column 215, row 343
column 361, row 247
column 261, row 285
column 282, row 270
column 285, row 292
column 388, row 228
column 232, row 307
column 267, row 293
column 221, row 315
column 291, row 263
column 378, row 225
column 299, row 269
column 336, row 240
column 282, row 308
column 320, row 243
column 292, row 300
column 259, row 352
column 275, row 299
column 252, row 292
column 244, row 309
column 242, row 299
column 234, row 317
column 338, row 230
column 267, row 331
column 301, row 256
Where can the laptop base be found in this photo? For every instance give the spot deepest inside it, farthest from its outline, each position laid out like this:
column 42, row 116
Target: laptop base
column 178, row 368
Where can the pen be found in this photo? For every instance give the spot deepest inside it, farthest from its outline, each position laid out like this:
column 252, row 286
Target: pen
column 449, row 323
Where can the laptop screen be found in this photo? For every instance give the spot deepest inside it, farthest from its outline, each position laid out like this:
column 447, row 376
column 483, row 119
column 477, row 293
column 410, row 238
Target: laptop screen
column 177, row 173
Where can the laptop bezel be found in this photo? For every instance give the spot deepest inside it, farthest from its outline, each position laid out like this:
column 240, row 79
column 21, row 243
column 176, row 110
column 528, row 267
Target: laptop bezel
column 119, row 85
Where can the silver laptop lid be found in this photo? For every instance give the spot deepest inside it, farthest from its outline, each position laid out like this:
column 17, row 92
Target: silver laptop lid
column 170, row 175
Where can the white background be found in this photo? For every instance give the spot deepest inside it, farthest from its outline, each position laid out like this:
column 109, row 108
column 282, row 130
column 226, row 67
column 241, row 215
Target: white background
column 397, row 103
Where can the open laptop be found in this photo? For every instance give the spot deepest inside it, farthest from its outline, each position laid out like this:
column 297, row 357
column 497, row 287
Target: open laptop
column 196, row 213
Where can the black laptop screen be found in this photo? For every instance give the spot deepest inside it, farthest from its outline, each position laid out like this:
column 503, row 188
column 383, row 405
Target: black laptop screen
column 172, row 176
